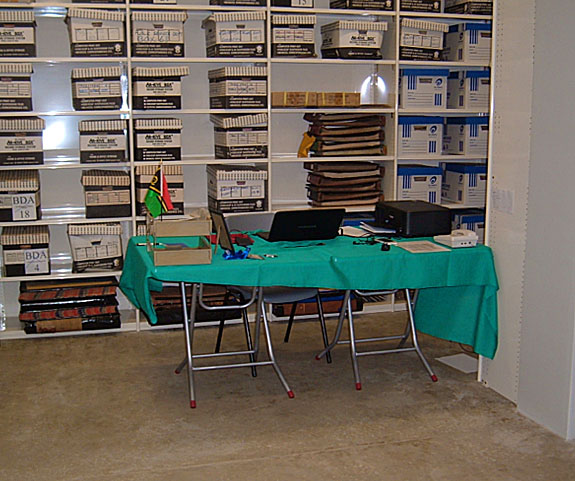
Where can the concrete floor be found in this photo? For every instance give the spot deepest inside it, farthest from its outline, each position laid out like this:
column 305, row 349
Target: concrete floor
column 109, row 407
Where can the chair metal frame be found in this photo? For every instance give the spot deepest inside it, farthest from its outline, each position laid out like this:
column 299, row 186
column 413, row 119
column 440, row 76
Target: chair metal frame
column 252, row 351
column 353, row 341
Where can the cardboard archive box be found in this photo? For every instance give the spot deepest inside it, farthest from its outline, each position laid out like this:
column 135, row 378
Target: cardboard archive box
column 421, row 39
column 240, row 136
column 18, row 33
column 158, row 88
column 423, row 88
column 106, row 193
column 97, row 88
column 25, row 250
column 96, row 33
column 419, row 182
column 19, row 195
column 465, row 184
column 16, row 87
column 103, row 141
column 234, row 188
column 21, row 141
column 158, row 34
column 158, row 139
column 420, row 136
column 238, row 88
column 293, row 35
column 235, row 34
column 349, row 39
column 96, row 247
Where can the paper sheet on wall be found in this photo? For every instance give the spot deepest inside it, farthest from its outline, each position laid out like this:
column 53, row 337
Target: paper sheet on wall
column 421, row 247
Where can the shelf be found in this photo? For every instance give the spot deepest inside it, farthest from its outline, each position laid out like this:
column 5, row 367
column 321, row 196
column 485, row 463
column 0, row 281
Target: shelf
column 447, row 16
column 442, row 112
column 65, row 220
column 285, row 158
column 336, row 61
column 60, row 172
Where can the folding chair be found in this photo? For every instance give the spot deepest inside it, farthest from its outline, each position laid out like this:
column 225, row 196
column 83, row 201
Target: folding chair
column 354, row 341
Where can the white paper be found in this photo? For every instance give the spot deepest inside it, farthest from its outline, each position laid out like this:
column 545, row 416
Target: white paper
column 421, row 247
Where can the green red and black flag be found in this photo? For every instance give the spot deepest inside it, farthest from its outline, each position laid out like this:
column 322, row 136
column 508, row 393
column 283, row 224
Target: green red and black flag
column 158, row 200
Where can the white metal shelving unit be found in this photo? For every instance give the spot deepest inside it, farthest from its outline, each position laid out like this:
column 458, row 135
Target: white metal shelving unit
column 61, row 192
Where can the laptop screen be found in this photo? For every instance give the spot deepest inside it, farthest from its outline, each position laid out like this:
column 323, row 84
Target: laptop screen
column 305, row 224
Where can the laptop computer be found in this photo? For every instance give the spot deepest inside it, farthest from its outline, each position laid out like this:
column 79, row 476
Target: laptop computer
column 304, row 225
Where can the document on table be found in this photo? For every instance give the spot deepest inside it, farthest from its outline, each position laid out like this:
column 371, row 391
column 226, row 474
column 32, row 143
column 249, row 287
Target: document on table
column 421, row 247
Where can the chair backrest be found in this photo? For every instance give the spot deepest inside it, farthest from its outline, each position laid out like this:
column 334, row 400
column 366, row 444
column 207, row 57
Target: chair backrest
column 250, row 221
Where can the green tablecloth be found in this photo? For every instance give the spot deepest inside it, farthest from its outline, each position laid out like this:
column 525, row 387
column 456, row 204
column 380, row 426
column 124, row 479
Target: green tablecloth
column 458, row 289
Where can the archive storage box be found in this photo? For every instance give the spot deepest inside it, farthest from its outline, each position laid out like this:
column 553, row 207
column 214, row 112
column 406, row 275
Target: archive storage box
column 97, row 88
column 293, row 35
column 25, row 250
column 294, row 99
column 469, row 90
column 475, row 7
column 18, row 33
column 158, row 34
column 363, row 4
column 468, row 42
column 106, row 193
column 15, row 87
column 472, row 219
column 174, row 175
column 96, row 33
column 433, row 6
column 233, row 188
column 421, row 40
column 293, row 3
column 240, row 137
column 238, row 88
column 239, row 3
column 465, row 184
column 235, row 34
column 352, row 39
column 158, row 88
column 103, row 141
column 96, row 247
column 419, row 182
column 158, row 139
column 420, row 136
column 423, row 88
column 19, row 195
column 21, row 141
column 466, row 136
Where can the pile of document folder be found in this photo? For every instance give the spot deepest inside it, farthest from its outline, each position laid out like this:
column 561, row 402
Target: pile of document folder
column 346, row 134
column 343, row 183
column 69, row 305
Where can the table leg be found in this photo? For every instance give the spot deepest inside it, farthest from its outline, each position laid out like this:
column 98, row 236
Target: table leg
column 414, row 337
column 189, row 320
column 337, row 334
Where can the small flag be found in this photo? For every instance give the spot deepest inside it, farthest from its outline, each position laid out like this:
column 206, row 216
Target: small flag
column 158, row 200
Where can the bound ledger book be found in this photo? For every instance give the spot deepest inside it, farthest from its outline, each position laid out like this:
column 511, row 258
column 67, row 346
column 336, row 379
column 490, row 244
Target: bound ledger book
column 339, row 135
column 343, row 183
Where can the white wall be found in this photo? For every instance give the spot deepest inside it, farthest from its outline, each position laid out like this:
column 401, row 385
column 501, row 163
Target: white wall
column 546, row 374
column 509, row 171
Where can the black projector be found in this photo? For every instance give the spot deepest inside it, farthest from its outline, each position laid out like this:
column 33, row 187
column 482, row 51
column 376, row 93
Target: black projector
column 413, row 218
